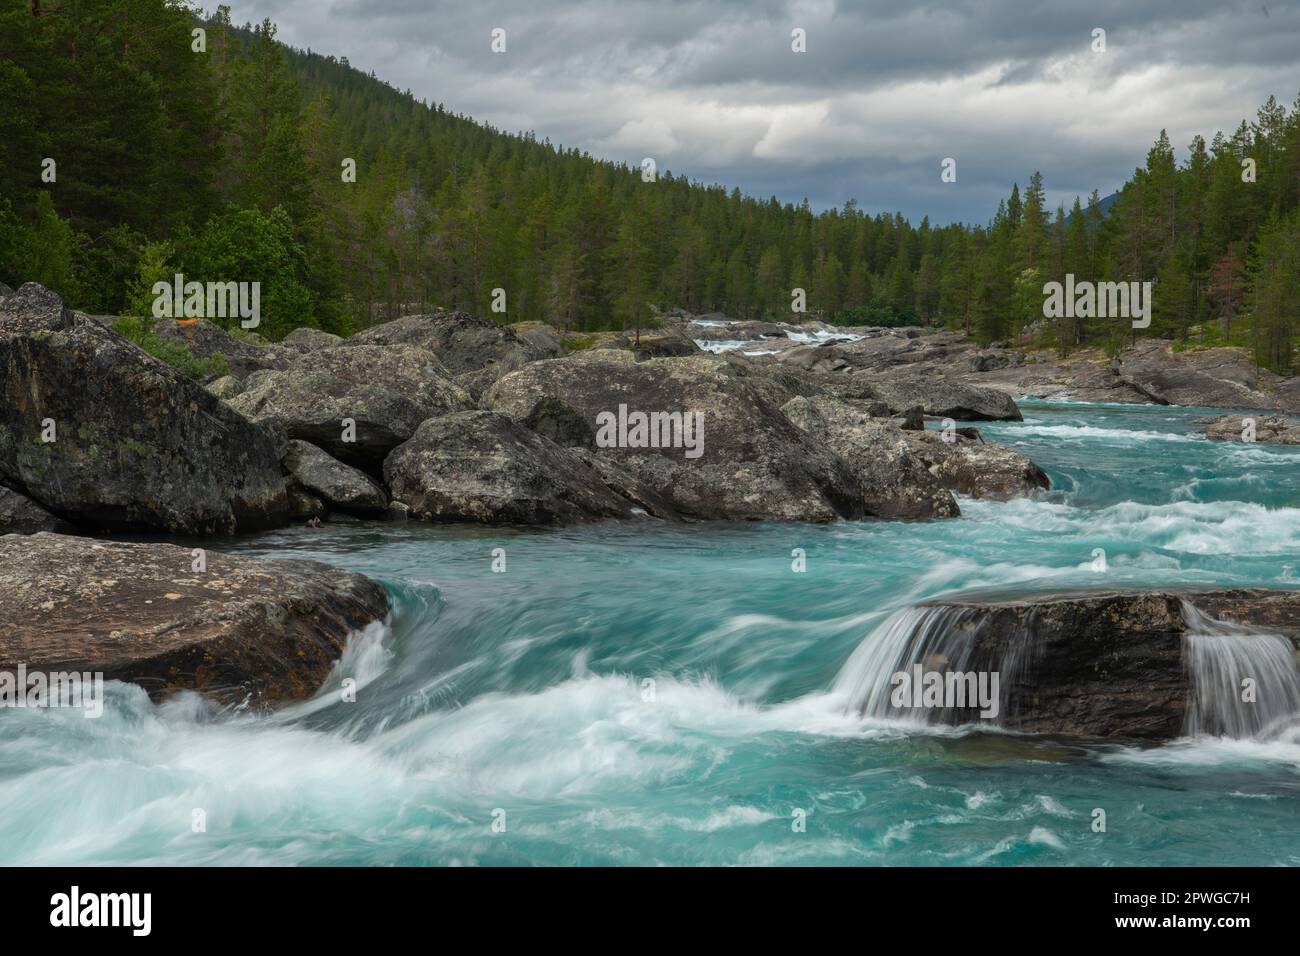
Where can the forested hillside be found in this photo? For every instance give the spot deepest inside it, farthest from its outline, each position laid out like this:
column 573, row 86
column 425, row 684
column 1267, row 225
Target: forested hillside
column 228, row 163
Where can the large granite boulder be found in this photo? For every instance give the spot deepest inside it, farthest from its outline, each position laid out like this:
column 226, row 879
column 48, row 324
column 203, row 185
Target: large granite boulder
column 750, row 463
column 462, row 342
column 1268, row 429
column 135, row 444
column 337, row 485
column 964, row 463
column 385, row 390
column 308, row 340
column 1136, row 666
column 894, row 482
column 946, row 398
column 486, row 467
column 242, row 630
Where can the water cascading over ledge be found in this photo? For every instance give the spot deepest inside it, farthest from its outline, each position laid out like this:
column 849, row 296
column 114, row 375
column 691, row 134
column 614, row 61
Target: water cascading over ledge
column 1134, row 666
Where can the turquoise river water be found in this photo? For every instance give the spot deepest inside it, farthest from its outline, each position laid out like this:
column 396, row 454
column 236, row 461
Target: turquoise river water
column 648, row 694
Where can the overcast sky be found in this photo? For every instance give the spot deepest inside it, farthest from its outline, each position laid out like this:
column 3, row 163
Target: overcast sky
column 885, row 91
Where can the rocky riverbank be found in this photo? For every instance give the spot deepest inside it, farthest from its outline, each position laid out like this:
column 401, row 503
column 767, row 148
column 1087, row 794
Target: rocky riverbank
column 452, row 418
column 240, row 630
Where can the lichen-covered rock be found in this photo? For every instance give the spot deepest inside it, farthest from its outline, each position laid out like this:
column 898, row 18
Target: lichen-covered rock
column 947, row 398
column 752, row 463
column 894, row 483
column 486, row 467
column 101, row 433
column 336, row 484
column 242, row 629
column 544, row 339
column 462, row 342
column 308, row 340
column 386, row 391
column 1244, row 427
column 967, row 465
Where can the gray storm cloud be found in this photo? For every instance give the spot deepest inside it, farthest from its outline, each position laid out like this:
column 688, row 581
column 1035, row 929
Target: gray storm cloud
column 883, row 94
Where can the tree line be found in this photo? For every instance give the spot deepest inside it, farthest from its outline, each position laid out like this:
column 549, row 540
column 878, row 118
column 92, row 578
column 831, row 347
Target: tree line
column 228, row 159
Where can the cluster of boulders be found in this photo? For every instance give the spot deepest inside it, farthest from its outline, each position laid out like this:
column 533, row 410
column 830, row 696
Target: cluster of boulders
column 1147, row 371
column 451, row 417
column 1266, row 429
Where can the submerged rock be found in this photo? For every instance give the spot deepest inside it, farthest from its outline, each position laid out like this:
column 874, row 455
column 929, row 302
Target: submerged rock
column 486, row 467
column 895, row 483
column 751, row 464
column 385, row 390
column 244, row 628
column 101, row 433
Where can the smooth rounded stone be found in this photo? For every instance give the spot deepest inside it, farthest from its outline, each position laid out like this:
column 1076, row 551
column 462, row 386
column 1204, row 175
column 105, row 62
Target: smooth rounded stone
column 752, row 463
column 338, row 485
column 486, row 467
column 967, row 465
column 1105, row 664
column 894, row 482
column 20, row 515
column 137, row 445
column 462, row 342
column 1268, row 429
column 309, row 340
column 204, row 339
column 244, row 629
column 385, row 390
column 947, row 398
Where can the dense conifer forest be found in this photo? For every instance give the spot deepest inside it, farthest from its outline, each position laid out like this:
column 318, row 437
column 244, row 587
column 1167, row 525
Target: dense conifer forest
column 128, row 155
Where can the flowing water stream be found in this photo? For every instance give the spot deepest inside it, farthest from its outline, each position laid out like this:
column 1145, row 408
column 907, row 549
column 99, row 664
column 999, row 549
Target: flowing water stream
column 644, row 694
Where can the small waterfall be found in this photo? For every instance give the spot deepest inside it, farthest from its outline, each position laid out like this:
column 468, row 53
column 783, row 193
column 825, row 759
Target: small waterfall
column 1219, row 656
column 939, row 639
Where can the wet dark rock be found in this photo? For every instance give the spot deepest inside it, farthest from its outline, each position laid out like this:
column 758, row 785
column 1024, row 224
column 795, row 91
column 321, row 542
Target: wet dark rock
column 1104, row 664
column 339, row 486
column 137, row 444
column 243, row 629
